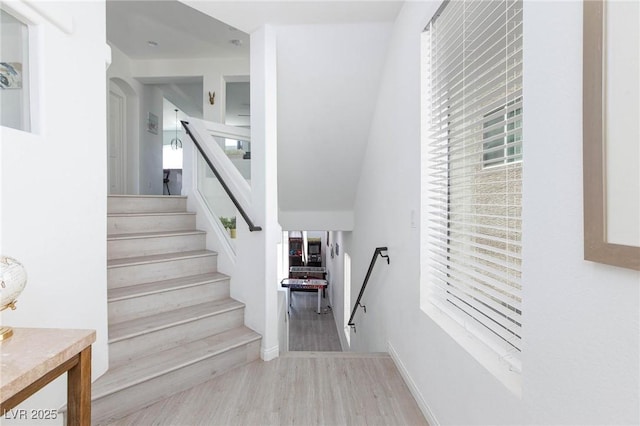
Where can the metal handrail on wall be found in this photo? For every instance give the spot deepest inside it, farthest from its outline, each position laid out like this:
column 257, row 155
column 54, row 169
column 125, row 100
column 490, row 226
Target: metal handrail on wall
column 243, row 213
column 376, row 253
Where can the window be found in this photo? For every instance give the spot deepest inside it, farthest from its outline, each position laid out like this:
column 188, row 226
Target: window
column 502, row 135
column 14, row 73
column 472, row 173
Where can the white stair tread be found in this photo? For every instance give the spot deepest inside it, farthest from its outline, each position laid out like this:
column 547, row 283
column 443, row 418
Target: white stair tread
column 140, row 214
column 143, row 325
column 145, row 196
column 154, row 365
column 157, row 258
column 139, row 290
column 139, row 235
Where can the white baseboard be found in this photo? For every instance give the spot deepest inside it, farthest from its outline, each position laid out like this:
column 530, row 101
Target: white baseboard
column 268, row 354
column 422, row 404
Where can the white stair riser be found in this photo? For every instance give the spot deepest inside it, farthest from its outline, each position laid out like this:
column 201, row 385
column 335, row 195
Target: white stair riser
column 128, row 309
column 159, row 271
column 133, row 247
column 144, row 394
column 124, row 350
column 150, row 223
column 146, row 204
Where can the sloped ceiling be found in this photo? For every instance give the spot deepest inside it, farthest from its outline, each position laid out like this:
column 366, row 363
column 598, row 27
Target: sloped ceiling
column 328, row 77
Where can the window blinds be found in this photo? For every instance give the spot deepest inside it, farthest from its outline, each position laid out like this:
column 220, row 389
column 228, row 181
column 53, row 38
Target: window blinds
column 474, row 83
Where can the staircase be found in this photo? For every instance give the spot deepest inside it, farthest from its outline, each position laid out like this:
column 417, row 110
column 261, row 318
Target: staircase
column 172, row 324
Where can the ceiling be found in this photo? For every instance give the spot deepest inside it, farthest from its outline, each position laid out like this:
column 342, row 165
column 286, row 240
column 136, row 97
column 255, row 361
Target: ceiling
column 178, row 30
column 251, row 15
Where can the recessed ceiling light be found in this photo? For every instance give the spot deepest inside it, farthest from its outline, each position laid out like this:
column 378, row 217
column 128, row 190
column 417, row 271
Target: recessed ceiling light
column 152, row 43
column 236, row 42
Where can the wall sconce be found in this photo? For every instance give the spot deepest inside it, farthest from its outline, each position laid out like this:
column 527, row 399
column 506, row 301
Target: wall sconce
column 212, row 98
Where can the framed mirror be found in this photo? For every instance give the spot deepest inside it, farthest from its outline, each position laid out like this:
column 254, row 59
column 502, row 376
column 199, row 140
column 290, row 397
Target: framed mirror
column 611, row 132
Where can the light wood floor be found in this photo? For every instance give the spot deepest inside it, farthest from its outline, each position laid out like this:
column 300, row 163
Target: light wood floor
column 299, row 388
column 309, row 331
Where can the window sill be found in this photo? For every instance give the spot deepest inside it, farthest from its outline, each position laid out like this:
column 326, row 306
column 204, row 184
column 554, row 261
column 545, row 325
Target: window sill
column 480, row 351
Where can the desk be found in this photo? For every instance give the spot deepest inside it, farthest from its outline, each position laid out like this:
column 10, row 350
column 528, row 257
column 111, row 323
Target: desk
column 294, row 283
column 34, row 357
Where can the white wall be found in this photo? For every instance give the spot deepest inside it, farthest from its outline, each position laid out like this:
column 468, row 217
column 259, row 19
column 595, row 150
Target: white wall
column 581, row 342
column 328, row 80
column 54, row 187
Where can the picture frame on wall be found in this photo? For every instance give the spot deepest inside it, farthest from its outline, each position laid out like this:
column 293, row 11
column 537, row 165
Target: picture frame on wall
column 10, row 75
column 152, row 123
column 611, row 153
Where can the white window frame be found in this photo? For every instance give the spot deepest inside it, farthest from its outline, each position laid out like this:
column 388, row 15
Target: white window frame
column 488, row 350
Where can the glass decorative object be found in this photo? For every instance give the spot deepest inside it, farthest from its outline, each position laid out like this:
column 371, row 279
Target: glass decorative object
column 13, row 278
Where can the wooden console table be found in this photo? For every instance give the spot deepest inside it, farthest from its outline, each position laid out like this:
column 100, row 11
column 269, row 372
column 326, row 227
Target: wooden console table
column 33, row 357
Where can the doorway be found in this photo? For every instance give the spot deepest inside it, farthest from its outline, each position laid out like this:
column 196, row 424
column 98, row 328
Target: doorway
column 116, row 140
column 312, row 326
column 173, row 137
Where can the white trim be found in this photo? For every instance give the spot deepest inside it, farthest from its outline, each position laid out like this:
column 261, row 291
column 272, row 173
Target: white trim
column 413, row 388
column 37, row 14
column 268, row 354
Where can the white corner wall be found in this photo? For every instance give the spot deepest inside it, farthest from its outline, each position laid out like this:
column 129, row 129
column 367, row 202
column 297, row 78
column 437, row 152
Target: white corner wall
column 255, row 277
column 582, row 336
column 54, row 188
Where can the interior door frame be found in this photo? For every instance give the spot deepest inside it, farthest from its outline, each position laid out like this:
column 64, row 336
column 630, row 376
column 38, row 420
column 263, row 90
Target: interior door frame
column 114, row 90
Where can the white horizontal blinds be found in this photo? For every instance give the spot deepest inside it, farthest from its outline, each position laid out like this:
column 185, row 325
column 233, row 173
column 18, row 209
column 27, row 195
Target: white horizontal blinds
column 475, row 84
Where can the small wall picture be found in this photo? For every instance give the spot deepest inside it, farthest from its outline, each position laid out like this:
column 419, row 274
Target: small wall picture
column 10, row 75
column 152, row 124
